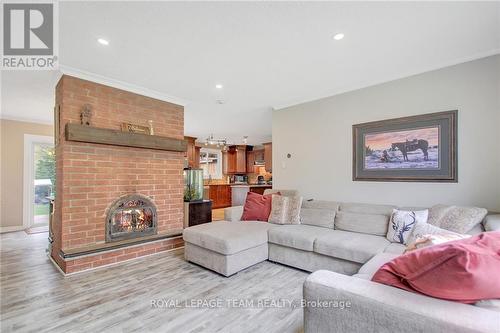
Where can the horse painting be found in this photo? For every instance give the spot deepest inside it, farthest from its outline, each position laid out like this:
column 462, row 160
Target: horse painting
column 413, row 145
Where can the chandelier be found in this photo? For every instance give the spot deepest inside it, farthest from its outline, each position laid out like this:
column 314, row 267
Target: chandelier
column 213, row 141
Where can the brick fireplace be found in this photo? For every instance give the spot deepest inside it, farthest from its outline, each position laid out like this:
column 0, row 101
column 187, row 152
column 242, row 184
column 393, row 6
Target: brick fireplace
column 114, row 203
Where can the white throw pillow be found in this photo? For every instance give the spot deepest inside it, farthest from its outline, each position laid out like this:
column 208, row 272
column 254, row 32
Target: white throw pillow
column 285, row 210
column 402, row 223
column 435, row 239
column 420, row 230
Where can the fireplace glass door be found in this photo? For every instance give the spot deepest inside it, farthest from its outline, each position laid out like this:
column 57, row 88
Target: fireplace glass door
column 131, row 217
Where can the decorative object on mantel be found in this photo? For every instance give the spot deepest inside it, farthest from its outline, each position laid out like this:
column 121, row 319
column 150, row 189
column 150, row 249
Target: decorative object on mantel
column 151, row 131
column 132, row 128
column 419, row 148
column 86, row 115
column 81, row 133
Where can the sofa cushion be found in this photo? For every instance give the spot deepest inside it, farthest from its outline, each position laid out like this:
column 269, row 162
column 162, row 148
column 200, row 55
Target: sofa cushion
column 372, row 265
column 492, row 222
column 395, row 248
column 351, row 246
column 285, row 193
column 363, row 208
column 317, row 217
column 300, row 237
column 373, row 224
column 228, row 237
column 321, row 204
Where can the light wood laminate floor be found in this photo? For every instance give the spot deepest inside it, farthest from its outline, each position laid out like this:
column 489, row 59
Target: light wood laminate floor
column 35, row 297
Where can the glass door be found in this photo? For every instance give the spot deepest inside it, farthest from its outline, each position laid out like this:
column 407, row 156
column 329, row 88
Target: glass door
column 44, row 172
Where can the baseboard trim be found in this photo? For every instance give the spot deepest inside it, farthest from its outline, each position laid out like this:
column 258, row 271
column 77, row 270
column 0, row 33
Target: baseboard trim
column 11, row 229
column 109, row 265
column 85, row 253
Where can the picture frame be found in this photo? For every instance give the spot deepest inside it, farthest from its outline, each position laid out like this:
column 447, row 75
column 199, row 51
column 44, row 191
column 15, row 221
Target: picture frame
column 133, row 128
column 420, row 148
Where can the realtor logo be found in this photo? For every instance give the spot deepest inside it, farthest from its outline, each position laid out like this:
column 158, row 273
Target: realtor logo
column 28, row 36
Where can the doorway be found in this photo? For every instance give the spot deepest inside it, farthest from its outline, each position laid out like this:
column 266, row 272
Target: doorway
column 39, row 179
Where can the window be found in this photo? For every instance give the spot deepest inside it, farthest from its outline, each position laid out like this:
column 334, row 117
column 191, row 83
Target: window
column 211, row 163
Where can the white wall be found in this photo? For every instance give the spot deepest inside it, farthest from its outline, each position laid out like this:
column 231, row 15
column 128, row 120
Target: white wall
column 318, row 134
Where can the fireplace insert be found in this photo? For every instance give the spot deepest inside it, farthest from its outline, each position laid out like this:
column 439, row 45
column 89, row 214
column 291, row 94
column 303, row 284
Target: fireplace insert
column 130, row 217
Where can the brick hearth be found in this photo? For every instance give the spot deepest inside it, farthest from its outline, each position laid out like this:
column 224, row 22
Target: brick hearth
column 90, row 177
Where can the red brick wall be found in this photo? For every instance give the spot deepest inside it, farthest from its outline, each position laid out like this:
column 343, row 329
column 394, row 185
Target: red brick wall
column 91, row 176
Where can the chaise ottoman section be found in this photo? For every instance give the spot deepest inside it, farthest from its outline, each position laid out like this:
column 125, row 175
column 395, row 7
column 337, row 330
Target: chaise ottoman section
column 226, row 247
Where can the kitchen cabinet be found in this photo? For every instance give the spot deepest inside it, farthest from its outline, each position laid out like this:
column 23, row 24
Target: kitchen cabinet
column 268, row 156
column 259, row 156
column 193, row 153
column 229, row 162
column 235, row 160
column 220, row 195
column 250, row 161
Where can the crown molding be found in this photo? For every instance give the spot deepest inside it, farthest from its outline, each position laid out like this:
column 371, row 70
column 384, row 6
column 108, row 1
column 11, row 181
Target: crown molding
column 89, row 76
column 27, row 120
column 367, row 84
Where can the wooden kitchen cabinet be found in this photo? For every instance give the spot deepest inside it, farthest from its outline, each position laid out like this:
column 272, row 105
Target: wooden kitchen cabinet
column 235, row 160
column 229, row 162
column 268, row 156
column 220, row 196
column 259, row 155
column 192, row 154
column 250, row 161
column 196, row 163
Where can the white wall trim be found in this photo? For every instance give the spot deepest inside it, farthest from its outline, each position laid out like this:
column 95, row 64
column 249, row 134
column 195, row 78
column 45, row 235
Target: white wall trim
column 29, row 175
column 11, row 228
column 27, row 120
column 367, row 84
column 121, row 85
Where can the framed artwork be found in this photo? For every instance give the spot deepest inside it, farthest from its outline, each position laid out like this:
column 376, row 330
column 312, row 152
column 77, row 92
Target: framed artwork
column 419, row 148
column 132, row 128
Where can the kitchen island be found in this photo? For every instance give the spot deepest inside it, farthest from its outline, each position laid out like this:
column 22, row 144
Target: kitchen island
column 239, row 192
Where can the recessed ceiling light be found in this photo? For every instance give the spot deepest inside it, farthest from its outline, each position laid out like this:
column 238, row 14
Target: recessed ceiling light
column 338, row 36
column 218, row 86
column 102, row 41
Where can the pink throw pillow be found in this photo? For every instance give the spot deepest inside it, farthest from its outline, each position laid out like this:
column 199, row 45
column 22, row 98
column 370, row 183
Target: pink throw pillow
column 465, row 270
column 257, row 207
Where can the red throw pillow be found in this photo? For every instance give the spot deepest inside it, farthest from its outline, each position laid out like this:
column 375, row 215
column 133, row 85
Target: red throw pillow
column 257, row 207
column 465, row 270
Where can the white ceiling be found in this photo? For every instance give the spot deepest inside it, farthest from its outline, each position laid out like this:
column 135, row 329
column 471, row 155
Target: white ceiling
column 266, row 54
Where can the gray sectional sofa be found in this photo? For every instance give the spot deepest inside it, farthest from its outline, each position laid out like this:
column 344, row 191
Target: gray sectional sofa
column 343, row 244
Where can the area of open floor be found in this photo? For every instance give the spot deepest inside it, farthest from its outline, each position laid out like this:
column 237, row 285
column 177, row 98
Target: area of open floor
column 156, row 293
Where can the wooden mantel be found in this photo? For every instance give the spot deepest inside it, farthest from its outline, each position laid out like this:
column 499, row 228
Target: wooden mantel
column 83, row 133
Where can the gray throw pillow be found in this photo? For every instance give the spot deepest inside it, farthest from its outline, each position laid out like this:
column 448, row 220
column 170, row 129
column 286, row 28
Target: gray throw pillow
column 455, row 218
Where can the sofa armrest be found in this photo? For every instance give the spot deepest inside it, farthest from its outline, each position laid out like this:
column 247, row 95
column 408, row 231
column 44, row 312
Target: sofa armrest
column 375, row 307
column 492, row 222
column 233, row 213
